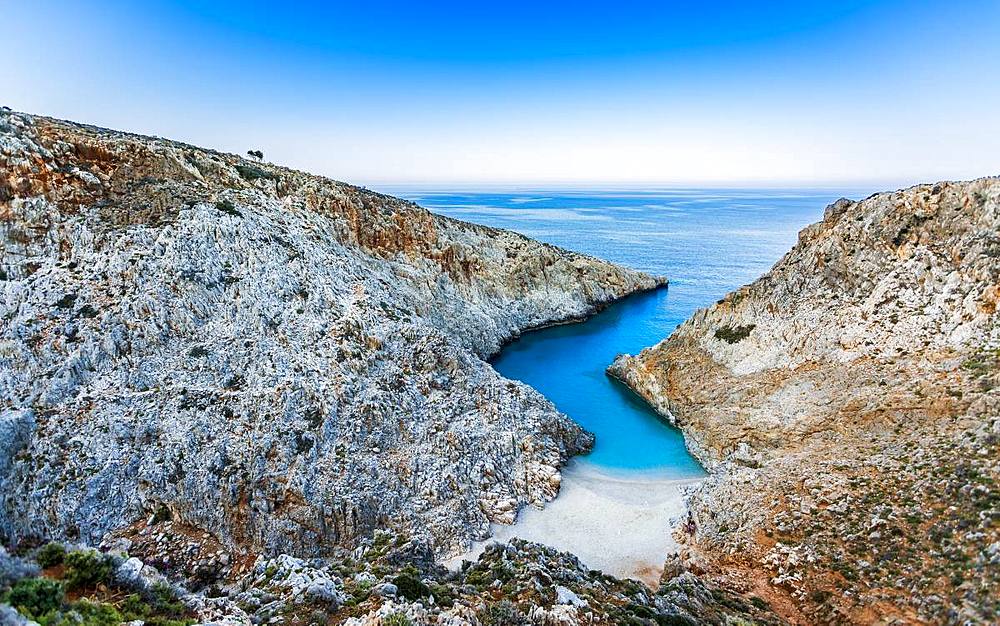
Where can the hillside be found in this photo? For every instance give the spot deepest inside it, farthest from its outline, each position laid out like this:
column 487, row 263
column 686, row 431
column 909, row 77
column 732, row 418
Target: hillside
column 280, row 360
column 847, row 405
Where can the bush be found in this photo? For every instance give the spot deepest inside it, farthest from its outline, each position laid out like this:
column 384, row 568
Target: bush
column 94, row 614
column 733, row 334
column 51, row 554
column 228, row 207
column 249, row 172
column 35, row 596
column 164, row 599
column 760, row 603
column 503, row 613
column 443, row 595
column 86, row 569
column 410, row 586
column 160, row 608
column 396, row 619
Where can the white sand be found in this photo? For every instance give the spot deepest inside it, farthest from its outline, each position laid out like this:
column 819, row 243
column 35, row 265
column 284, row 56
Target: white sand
column 620, row 525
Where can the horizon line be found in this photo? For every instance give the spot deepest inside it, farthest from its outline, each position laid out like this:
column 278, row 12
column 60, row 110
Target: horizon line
column 557, row 185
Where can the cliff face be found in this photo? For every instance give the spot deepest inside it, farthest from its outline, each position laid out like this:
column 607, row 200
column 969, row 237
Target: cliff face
column 280, row 360
column 847, row 404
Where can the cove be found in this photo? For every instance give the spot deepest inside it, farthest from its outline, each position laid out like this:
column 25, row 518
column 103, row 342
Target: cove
column 566, row 364
column 616, row 504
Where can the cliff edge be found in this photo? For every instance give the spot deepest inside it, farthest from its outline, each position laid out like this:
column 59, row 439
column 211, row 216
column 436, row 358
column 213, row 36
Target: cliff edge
column 847, row 404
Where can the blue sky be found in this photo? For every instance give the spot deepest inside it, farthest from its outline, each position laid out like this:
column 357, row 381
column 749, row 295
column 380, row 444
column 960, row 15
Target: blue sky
column 536, row 93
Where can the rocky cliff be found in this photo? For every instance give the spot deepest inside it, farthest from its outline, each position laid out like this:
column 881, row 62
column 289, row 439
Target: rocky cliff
column 275, row 359
column 847, row 404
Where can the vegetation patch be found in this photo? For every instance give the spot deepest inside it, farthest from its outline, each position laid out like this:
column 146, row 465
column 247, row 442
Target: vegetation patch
column 228, row 207
column 67, row 301
column 87, row 311
column 85, row 568
column 502, row 613
column 734, row 334
column 396, row 619
column 94, row 599
column 35, row 596
column 251, row 173
column 410, row 586
column 50, row 555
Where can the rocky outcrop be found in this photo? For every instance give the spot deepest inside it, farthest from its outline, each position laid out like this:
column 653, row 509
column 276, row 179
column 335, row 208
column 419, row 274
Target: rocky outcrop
column 276, row 359
column 847, row 404
column 385, row 581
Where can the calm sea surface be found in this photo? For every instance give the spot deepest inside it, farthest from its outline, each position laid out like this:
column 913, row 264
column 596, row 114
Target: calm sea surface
column 707, row 242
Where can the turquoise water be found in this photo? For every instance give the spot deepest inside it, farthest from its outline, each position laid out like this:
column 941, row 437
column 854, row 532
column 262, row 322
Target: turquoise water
column 566, row 364
column 707, row 242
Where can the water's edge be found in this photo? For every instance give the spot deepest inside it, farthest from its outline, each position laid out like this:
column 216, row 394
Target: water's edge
column 620, row 522
column 594, row 309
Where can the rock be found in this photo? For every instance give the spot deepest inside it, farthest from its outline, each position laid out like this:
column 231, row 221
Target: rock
column 10, row 617
column 325, row 591
column 13, row 569
column 745, row 455
column 565, row 596
column 220, row 611
column 130, row 571
column 386, row 590
column 16, row 426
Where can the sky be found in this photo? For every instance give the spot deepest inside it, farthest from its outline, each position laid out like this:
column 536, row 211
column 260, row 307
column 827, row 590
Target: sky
column 533, row 93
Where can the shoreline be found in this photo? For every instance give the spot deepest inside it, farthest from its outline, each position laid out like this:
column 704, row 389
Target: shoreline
column 620, row 524
column 617, row 520
column 661, row 283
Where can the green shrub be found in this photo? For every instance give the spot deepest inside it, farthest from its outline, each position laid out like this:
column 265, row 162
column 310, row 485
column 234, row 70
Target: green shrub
column 396, row 619
column 410, row 586
column 734, row 334
column 443, row 595
column 67, row 301
column 93, row 614
column 51, row 554
column 250, row 172
column 228, row 207
column 162, row 513
column 502, row 613
column 476, row 577
column 160, row 607
column 35, row 596
column 760, row 603
column 86, row 569
column 819, row 596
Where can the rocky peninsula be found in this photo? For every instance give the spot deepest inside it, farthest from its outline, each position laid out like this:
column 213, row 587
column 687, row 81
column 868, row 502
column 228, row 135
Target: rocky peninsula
column 847, row 405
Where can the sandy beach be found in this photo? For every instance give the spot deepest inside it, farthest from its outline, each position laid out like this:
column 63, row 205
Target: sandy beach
column 620, row 525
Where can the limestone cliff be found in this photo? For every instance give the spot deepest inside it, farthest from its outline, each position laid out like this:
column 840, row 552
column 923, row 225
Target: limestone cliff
column 847, row 404
column 279, row 360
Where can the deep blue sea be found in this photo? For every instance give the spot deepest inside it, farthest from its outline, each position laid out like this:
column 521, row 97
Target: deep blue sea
column 707, row 242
